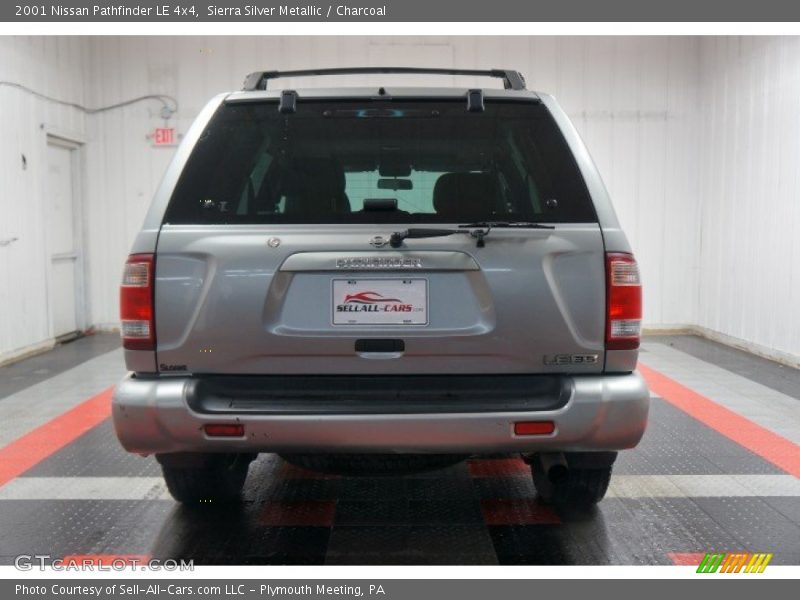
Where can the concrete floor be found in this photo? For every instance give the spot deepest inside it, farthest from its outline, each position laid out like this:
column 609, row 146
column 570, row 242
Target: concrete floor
column 718, row 470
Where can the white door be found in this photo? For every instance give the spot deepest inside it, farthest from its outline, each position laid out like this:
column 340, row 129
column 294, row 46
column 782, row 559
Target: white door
column 62, row 241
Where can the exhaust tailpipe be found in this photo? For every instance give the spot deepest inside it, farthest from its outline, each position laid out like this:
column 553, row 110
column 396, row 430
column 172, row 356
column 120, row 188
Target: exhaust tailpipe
column 555, row 466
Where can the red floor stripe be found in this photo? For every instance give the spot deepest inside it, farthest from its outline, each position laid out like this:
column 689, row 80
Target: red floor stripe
column 686, row 558
column 512, row 511
column 289, row 471
column 319, row 513
column 498, row 467
column 770, row 446
column 33, row 447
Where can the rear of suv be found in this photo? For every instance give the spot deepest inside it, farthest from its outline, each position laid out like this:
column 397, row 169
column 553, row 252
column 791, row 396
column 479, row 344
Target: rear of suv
column 381, row 278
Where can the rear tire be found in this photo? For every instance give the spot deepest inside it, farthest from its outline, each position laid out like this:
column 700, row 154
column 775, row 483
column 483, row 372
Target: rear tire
column 205, row 478
column 373, row 464
column 584, row 486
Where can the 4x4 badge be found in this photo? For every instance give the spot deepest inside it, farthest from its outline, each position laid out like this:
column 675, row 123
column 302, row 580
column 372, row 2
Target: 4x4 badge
column 379, row 241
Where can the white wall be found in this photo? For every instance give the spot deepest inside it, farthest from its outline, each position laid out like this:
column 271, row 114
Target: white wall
column 54, row 66
column 749, row 288
column 672, row 122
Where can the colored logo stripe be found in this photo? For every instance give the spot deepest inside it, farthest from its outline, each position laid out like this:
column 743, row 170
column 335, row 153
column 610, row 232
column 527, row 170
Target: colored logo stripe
column 758, row 563
column 710, row 563
column 734, row 562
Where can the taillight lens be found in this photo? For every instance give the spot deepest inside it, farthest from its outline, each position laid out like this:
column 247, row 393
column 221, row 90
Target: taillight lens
column 624, row 302
column 136, row 303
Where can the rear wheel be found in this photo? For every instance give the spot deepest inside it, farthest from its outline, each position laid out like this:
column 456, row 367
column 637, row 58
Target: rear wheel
column 585, row 482
column 205, row 478
column 373, row 464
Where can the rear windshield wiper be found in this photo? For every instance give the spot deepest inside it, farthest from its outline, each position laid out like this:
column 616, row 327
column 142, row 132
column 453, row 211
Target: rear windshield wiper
column 479, row 231
column 396, row 239
column 521, row 224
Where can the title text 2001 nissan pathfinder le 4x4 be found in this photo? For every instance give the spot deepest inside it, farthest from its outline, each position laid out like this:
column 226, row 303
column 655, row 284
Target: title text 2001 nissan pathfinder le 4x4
column 380, row 278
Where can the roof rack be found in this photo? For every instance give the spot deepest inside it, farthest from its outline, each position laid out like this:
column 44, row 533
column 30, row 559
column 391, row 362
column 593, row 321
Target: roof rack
column 512, row 80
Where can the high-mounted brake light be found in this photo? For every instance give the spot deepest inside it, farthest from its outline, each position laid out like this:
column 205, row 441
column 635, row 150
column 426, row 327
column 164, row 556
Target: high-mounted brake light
column 136, row 303
column 624, row 302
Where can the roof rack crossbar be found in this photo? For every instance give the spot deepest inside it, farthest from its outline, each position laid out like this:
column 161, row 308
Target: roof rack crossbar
column 512, row 80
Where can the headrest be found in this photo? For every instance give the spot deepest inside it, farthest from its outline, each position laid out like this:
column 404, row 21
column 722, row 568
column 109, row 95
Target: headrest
column 325, row 174
column 464, row 196
column 315, row 185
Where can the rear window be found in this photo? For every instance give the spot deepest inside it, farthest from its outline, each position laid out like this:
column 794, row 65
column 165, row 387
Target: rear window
column 380, row 161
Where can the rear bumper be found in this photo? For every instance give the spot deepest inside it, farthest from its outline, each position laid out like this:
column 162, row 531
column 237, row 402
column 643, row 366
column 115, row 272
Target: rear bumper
column 603, row 412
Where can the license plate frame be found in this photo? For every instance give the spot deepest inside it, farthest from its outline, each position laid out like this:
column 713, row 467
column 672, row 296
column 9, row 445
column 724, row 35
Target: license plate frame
column 382, row 302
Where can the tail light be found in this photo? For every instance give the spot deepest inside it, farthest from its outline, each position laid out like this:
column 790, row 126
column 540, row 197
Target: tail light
column 136, row 303
column 624, row 302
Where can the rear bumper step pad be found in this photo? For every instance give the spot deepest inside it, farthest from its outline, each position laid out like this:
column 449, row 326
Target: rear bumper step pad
column 423, row 394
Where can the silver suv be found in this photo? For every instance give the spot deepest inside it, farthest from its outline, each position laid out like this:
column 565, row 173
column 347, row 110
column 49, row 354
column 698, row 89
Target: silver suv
column 381, row 279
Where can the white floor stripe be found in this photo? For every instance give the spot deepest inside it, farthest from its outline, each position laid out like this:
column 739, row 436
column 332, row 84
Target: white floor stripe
column 622, row 486
column 767, row 407
column 84, row 488
column 36, row 405
column 702, row 486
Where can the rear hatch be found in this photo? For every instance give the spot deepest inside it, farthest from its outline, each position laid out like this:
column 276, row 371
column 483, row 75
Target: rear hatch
column 380, row 236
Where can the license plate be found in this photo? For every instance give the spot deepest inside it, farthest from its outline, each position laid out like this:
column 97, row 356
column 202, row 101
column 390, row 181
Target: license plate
column 380, row 302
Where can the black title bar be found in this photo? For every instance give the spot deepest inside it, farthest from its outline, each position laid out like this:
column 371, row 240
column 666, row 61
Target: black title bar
column 400, row 10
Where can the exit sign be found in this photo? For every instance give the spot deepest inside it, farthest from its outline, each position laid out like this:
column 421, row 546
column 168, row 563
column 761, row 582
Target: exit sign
column 164, row 136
